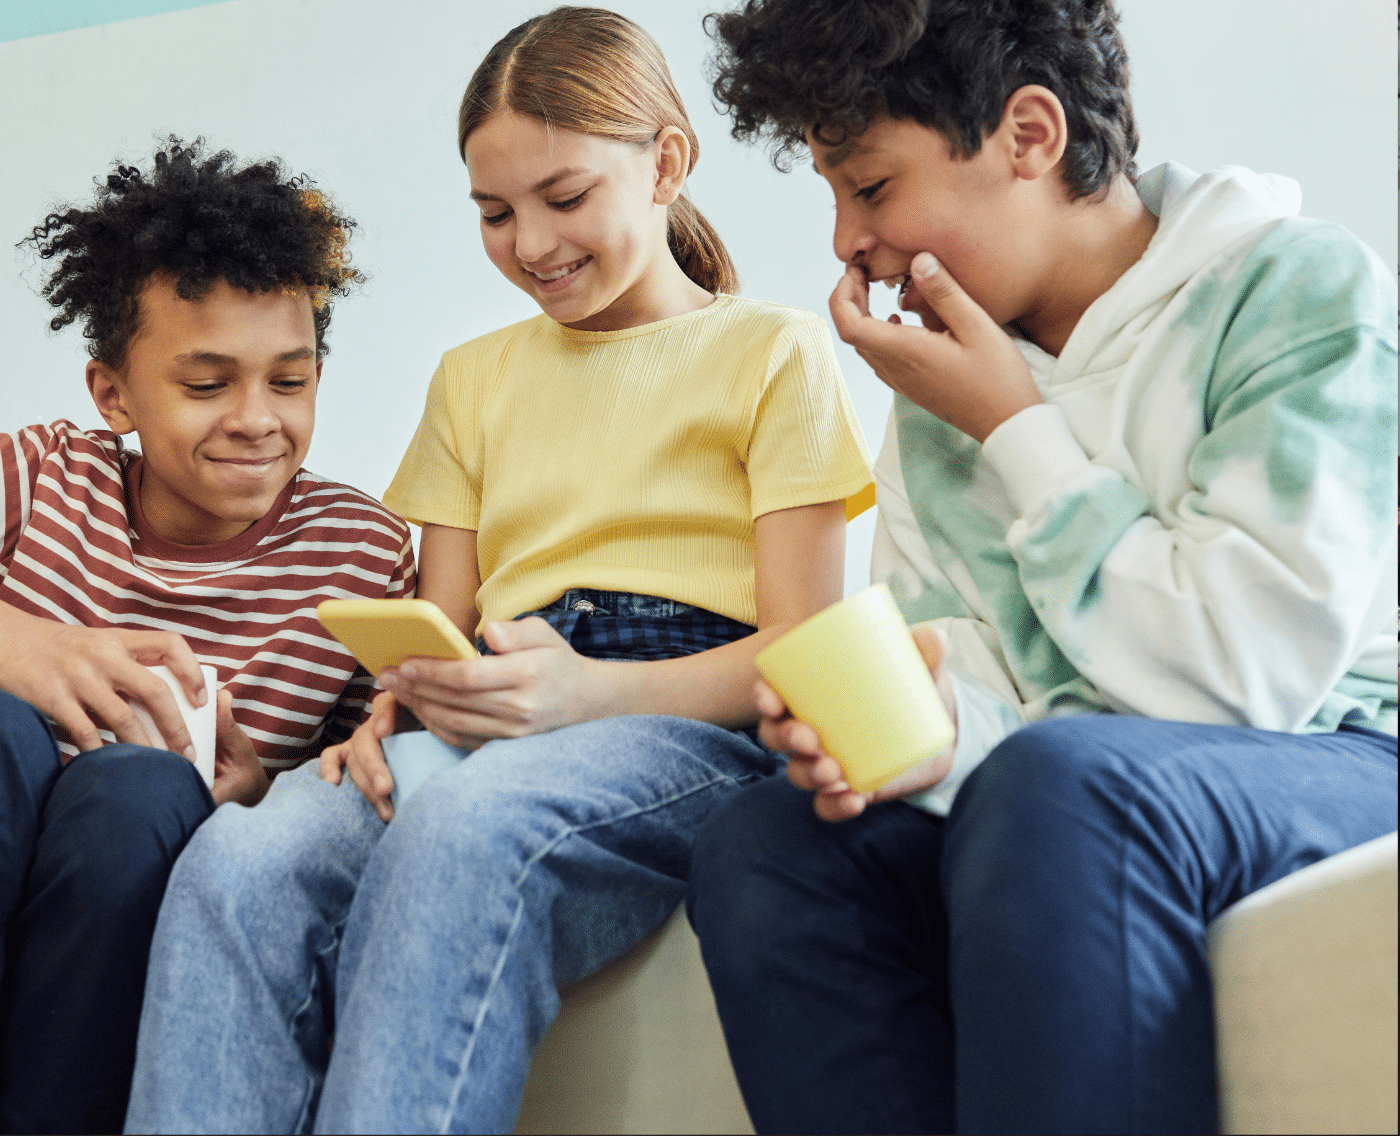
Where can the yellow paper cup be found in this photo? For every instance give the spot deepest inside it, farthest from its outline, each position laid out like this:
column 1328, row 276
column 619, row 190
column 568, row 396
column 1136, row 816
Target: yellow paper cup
column 854, row 674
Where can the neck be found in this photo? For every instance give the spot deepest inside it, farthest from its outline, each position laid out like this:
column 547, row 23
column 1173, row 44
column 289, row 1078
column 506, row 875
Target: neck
column 1094, row 244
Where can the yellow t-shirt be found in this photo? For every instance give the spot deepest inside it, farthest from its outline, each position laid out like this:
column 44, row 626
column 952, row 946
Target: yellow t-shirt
column 634, row 460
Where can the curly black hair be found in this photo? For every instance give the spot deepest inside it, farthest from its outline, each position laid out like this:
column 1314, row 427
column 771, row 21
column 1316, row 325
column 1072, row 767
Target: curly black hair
column 834, row 66
column 201, row 219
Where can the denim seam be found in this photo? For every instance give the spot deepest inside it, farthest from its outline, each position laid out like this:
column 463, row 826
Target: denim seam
column 336, row 935
column 573, row 830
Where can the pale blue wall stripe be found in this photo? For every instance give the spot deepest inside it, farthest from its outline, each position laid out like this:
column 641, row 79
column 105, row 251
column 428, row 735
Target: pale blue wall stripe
column 20, row 19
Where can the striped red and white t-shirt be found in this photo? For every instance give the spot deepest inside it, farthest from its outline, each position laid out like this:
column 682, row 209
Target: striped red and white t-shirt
column 76, row 548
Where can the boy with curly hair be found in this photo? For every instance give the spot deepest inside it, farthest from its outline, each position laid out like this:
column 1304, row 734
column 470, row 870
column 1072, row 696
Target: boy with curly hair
column 1137, row 487
column 204, row 289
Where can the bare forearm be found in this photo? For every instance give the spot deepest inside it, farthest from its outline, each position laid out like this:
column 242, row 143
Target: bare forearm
column 712, row 686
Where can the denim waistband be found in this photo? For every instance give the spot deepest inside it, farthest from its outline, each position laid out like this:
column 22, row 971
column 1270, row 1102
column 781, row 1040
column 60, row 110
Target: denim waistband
column 621, row 604
column 625, row 625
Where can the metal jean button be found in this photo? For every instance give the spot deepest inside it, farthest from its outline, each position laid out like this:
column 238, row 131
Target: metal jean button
column 585, row 607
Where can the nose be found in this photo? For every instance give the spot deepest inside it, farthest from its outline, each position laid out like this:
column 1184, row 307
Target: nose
column 252, row 415
column 534, row 236
column 852, row 241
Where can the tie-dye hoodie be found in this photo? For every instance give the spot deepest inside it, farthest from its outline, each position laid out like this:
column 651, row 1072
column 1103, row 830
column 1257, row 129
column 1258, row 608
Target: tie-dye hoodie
column 1199, row 521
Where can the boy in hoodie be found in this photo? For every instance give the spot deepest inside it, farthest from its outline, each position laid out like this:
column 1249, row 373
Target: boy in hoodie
column 1137, row 488
column 204, row 289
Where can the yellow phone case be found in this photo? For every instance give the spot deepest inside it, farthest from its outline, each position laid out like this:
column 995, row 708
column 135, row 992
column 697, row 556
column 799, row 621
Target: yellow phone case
column 383, row 633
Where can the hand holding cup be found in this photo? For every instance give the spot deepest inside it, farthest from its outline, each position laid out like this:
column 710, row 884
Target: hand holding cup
column 866, row 720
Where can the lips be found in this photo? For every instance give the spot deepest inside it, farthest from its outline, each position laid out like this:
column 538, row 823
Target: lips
column 560, row 272
column 254, row 465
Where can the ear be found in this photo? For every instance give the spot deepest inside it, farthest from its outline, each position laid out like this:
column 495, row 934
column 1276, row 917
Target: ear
column 109, row 394
column 1033, row 131
column 672, row 150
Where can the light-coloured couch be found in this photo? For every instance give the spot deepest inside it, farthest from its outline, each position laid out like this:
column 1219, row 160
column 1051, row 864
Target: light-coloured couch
column 1305, row 986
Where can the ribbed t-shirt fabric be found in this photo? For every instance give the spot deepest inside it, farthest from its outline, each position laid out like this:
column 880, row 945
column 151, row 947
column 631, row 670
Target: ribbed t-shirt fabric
column 633, row 460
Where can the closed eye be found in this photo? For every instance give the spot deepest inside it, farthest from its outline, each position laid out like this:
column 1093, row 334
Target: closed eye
column 570, row 203
column 870, row 191
column 494, row 218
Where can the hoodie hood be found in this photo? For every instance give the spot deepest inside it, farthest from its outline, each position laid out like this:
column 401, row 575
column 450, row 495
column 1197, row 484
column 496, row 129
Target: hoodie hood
column 1201, row 218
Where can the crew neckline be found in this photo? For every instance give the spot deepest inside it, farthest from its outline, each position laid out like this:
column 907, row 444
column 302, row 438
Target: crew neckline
column 149, row 543
column 722, row 299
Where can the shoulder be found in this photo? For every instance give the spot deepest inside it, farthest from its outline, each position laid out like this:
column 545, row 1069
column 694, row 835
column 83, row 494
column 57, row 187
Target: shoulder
column 489, row 350
column 74, row 462
column 762, row 317
column 67, row 443
column 1311, row 278
column 344, row 513
column 775, row 334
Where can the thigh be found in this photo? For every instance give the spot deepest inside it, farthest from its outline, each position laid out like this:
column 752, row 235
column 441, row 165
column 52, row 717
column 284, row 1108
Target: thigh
column 238, row 1010
column 524, row 867
column 29, row 766
column 1083, row 861
column 110, row 831
column 567, row 815
column 281, row 870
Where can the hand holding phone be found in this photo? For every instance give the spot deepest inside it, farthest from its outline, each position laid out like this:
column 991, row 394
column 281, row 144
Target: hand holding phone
column 383, row 633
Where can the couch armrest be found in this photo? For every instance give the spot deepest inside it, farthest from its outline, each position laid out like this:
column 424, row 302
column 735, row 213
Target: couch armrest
column 1305, row 998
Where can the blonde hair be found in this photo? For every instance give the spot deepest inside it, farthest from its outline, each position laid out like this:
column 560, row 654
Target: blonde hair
column 594, row 72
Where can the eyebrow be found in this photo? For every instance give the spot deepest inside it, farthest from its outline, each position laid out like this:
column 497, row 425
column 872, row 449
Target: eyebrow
column 839, row 153
column 570, row 171
column 214, row 359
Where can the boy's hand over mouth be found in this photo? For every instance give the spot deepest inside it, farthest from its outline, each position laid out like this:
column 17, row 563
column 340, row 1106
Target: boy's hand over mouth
column 960, row 366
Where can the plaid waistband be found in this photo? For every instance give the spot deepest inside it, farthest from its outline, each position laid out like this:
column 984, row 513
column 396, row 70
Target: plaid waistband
column 625, row 625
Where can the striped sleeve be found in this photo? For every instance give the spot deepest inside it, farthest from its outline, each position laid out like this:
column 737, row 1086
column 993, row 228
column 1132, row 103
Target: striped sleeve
column 21, row 455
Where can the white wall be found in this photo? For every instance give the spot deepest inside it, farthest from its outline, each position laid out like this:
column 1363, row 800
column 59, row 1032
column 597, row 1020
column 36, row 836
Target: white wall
column 362, row 94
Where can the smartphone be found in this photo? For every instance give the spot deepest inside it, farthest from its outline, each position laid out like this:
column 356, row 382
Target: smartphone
column 383, row 633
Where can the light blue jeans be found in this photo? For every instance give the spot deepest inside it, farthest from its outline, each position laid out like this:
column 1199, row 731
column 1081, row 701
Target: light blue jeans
column 431, row 950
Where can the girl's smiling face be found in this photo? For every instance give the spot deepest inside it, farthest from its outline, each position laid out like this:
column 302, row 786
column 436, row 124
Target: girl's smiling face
column 576, row 221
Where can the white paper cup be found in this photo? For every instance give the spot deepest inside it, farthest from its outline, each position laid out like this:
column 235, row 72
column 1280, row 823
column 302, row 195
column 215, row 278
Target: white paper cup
column 201, row 721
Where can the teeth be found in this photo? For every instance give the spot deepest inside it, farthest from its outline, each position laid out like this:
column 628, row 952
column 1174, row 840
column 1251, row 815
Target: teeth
column 560, row 273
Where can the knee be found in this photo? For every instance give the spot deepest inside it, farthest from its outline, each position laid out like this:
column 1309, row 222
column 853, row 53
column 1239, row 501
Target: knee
column 26, row 742
column 754, row 857
column 1046, row 808
column 1058, row 766
column 117, row 819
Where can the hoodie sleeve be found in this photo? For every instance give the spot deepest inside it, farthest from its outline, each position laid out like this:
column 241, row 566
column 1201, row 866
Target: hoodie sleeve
column 1261, row 597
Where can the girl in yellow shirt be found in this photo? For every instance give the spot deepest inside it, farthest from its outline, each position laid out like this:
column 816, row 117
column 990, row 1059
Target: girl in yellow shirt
column 624, row 498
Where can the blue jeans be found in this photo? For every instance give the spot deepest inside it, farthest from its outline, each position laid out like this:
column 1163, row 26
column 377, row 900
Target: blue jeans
column 433, row 948
column 85, row 850
column 1037, row 962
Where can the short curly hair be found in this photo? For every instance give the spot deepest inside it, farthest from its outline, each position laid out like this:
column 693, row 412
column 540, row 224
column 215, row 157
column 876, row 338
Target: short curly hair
column 200, row 219
column 784, row 67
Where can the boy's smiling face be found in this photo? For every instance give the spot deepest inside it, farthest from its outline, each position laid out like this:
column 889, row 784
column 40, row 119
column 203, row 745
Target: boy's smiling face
column 221, row 392
column 900, row 191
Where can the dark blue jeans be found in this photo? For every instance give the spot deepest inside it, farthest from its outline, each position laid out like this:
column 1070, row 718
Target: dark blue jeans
column 1036, row 962
column 85, row 851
